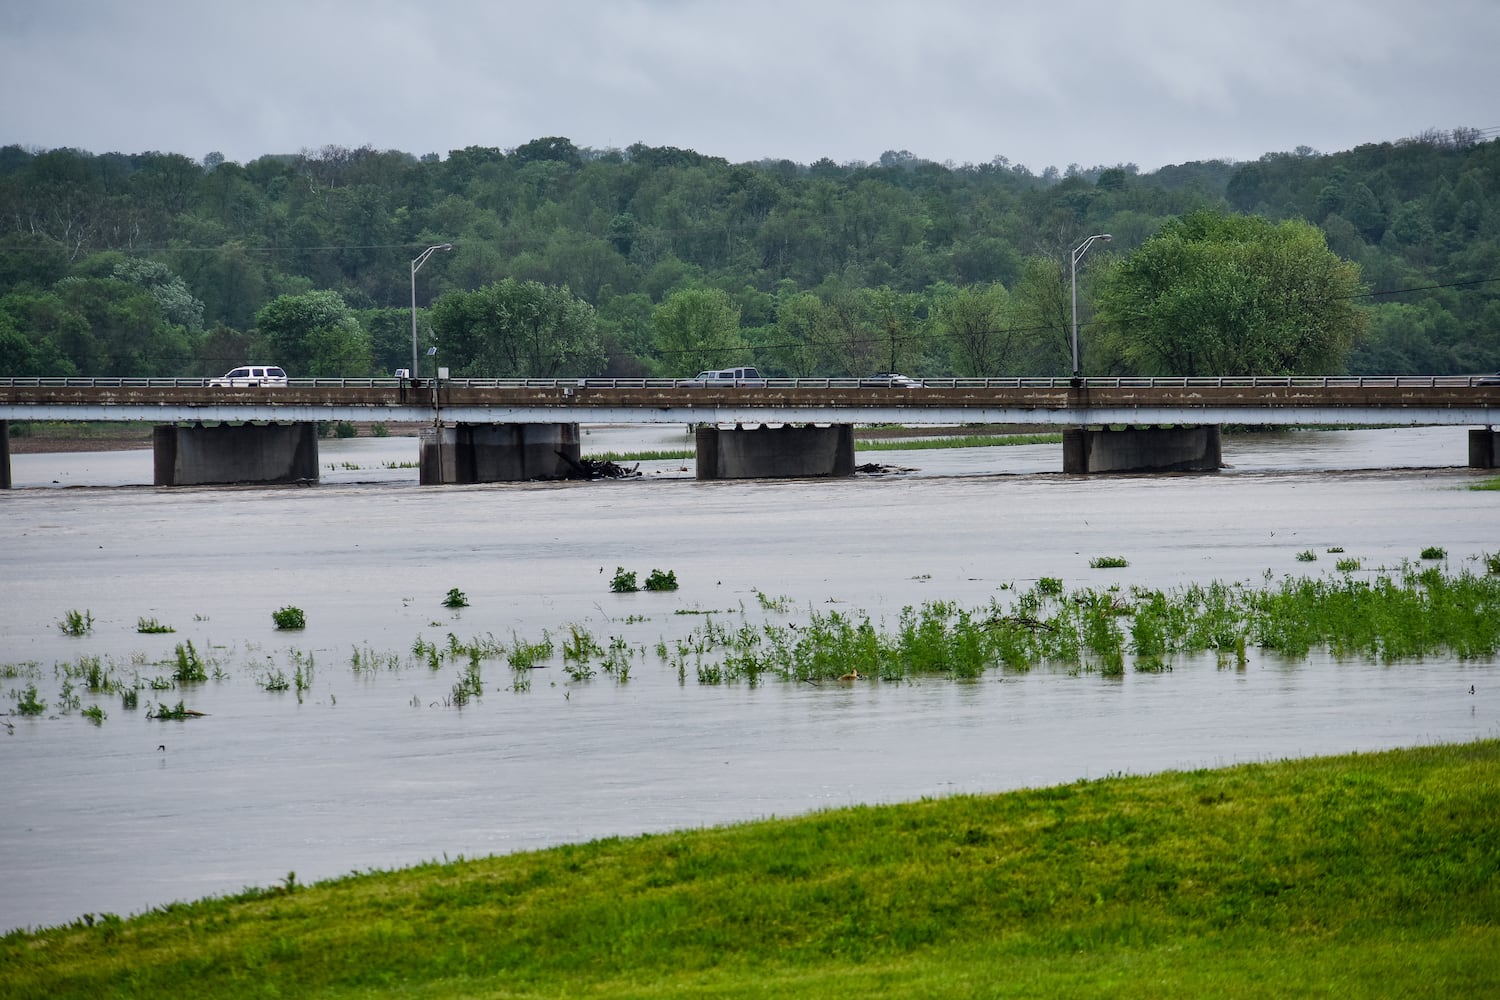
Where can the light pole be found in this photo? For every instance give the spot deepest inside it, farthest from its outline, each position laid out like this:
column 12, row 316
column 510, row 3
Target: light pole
column 1078, row 253
column 415, row 264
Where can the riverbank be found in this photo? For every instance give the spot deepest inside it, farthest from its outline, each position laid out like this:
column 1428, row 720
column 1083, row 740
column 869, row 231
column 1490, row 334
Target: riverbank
column 1366, row 875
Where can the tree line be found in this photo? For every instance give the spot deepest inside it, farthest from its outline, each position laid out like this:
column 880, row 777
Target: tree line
column 664, row 261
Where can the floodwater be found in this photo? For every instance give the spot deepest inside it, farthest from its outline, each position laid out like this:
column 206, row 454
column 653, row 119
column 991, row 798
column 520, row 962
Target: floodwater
column 373, row 768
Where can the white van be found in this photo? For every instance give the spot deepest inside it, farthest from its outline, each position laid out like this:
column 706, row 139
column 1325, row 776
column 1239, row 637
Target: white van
column 250, row 375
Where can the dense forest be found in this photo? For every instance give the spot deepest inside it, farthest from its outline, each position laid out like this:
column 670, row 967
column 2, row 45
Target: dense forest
column 662, row 261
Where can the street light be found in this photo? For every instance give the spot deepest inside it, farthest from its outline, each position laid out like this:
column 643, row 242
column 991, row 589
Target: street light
column 1078, row 253
column 421, row 259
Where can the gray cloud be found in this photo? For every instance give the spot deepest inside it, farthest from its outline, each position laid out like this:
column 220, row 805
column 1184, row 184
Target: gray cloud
column 1142, row 81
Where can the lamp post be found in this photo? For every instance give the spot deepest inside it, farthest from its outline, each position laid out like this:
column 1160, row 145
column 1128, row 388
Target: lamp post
column 1078, row 253
column 415, row 264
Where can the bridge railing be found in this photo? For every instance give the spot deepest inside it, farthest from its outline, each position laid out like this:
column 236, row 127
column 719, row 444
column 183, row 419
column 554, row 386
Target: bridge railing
column 1094, row 382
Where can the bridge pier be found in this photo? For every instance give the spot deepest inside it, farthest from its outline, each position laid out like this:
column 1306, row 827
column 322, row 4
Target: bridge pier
column 1142, row 449
column 4, row 454
column 1484, row 448
column 234, row 453
column 497, row 453
column 775, row 452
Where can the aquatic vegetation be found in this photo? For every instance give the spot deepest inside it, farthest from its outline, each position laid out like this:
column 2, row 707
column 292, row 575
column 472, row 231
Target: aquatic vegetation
column 1415, row 613
column 468, row 687
column 129, row 699
column 1334, row 549
column 658, row 580
column 965, row 441
column 77, row 623
column 95, row 715
column 1307, row 555
column 1348, row 565
column 455, row 599
column 189, row 667
column 27, row 701
column 178, row 711
column 1108, row 562
column 151, row 625
column 524, row 655
column 1434, row 552
column 275, row 680
column 769, row 603
column 68, row 699
column 623, row 582
column 289, row 618
column 367, row 659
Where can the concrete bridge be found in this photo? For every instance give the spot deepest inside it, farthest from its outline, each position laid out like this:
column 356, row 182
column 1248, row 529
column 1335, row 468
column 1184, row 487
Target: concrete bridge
column 481, row 430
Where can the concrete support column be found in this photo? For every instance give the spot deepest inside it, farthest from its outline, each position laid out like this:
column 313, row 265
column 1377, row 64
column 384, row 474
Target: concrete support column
column 497, row 453
column 775, row 452
column 234, row 453
column 1142, row 449
column 4, row 455
column 1484, row 448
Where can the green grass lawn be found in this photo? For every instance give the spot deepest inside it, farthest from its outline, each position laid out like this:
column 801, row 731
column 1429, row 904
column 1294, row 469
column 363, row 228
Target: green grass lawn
column 1372, row 875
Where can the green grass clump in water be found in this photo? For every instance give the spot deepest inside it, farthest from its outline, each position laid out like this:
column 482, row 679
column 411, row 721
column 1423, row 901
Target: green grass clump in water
column 905, row 444
column 1360, row 876
column 1418, row 612
column 968, row 441
column 1492, row 483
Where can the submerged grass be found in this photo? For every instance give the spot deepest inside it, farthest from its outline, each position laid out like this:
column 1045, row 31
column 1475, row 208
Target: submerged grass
column 904, row 444
column 1415, row 612
column 964, row 441
column 1359, row 876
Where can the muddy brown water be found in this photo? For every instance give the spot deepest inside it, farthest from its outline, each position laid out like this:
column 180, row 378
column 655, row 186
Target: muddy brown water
column 371, row 769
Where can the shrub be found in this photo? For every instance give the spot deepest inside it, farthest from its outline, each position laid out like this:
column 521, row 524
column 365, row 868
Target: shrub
column 623, row 582
column 1434, row 552
column 455, row 599
column 289, row 618
column 344, row 429
column 380, row 430
column 659, row 580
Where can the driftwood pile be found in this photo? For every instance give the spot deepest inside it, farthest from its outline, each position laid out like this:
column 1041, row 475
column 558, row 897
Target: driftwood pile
column 588, row 468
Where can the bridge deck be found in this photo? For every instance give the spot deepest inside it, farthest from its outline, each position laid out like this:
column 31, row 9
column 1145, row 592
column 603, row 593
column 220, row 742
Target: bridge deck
column 1386, row 400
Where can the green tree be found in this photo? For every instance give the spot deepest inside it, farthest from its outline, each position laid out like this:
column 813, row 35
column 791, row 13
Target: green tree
column 314, row 334
column 696, row 329
column 518, row 329
column 1219, row 294
column 976, row 325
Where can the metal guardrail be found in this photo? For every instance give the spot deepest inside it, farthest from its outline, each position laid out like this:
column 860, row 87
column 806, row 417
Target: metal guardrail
column 1097, row 382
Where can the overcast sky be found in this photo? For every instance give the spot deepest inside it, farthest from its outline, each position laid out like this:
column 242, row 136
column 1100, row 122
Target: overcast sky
column 1054, row 82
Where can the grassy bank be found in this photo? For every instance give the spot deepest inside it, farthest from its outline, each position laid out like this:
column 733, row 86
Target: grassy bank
column 1361, row 876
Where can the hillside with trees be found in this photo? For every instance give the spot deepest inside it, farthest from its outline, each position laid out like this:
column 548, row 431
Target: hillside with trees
column 656, row 260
